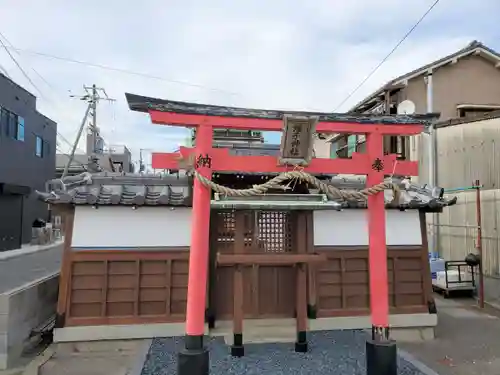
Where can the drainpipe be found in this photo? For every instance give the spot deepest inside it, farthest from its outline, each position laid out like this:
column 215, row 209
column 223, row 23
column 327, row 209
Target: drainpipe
column 431, row 160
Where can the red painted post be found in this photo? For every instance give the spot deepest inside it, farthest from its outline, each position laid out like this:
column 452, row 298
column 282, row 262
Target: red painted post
column 477, row 185
column 379, row 293
column 381, row 354
column 194, row 360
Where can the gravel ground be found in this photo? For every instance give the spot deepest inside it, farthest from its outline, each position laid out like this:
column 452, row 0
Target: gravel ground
column 330, row 352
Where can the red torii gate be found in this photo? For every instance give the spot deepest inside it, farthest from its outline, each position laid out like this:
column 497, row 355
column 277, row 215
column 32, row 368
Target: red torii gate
column 194, row 360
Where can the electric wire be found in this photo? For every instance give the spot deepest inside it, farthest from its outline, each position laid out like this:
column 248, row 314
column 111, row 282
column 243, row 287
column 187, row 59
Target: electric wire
column 6, row 48
column 19, row 65
column 374, row 70
column 121, row 70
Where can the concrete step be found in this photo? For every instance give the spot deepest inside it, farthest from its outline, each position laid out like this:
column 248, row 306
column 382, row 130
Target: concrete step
column 258, row 323
column 259, row 331
column 109, row 346
column 86, row 366
column 119, row 357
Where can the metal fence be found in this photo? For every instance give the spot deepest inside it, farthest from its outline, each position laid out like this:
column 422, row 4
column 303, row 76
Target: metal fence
column 457, row 229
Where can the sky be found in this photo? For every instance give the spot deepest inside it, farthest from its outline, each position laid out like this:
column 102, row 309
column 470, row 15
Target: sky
column 276, row 54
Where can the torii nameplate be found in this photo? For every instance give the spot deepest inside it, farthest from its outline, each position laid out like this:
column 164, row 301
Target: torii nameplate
column 297, row 141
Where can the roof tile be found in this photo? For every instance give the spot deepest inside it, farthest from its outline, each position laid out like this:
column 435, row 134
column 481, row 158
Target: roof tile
column 143, row 190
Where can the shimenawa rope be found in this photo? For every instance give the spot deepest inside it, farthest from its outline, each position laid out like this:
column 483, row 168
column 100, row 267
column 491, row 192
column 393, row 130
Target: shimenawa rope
column 279, row 182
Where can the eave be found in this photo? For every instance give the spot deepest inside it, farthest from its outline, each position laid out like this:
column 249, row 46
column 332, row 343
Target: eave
column 154, row 105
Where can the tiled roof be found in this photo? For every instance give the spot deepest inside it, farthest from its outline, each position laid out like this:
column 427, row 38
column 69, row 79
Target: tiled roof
column 118, row 189
column 412, row 196
column 134, row 189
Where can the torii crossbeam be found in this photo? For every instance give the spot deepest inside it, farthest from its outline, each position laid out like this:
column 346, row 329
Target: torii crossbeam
column 205, row 118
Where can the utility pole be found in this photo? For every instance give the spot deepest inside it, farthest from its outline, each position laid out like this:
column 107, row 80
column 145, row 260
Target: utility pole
column 431, row 161
column 75, row 144
column 142, row 165
column 93, row 95
column 141, row 162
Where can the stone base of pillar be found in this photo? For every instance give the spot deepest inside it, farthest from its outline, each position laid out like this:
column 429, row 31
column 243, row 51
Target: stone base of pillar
column 193, row 362
column 301, row 345
column 194, row 359
column 237, row 349
column 381, row 358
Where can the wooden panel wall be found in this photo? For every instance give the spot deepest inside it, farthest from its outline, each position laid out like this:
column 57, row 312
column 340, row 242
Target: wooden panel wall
column 342, row 283
column 127, row 287
column 267, row 291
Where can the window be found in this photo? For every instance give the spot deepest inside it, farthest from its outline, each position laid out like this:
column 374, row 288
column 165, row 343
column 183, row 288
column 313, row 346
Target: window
column 397, row 145
column 334, row 147
column 20, row 129
column 39, row 147
column 11, row 124
column 4, row 121
column 352, row 141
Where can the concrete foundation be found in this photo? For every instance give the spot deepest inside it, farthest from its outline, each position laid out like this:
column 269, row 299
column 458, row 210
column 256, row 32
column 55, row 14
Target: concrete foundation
column 22, row 310
column 404, row 327
column 120, row 332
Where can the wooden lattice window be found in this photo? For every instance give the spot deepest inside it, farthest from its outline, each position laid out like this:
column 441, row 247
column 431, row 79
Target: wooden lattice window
column 226, row 227
column 274, row 231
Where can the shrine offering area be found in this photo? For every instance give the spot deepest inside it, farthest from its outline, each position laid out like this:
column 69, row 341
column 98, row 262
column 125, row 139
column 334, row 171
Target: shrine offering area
column 331, row 352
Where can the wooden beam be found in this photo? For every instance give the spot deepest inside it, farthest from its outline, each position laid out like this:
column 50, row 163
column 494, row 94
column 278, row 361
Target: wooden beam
column 65, row 276
column 311, row 269
column 247, row 123
column 223, row 161
column 238, row 293
column 301, row 285
column 268, row 260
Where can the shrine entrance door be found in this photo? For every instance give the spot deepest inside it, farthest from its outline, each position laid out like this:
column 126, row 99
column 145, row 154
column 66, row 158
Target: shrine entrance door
column 268, row 289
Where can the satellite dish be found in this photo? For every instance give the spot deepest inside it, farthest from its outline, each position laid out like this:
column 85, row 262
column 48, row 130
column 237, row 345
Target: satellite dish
column 406, row 107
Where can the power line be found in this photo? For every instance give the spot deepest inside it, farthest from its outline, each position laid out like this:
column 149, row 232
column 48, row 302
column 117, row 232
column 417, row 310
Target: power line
column 4, row 71
column 18, row 65
column 121, row 70
column 388, row 55
column 2, row 36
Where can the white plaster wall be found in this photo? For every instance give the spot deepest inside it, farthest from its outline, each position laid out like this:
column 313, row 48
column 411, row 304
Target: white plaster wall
column 122, row 227
column 350, row 227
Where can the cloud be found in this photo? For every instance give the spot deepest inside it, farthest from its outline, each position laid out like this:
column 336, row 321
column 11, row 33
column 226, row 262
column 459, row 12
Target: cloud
column 272, row 54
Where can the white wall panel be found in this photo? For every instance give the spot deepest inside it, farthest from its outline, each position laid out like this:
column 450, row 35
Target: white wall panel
column 350, row 227
column 123, row 227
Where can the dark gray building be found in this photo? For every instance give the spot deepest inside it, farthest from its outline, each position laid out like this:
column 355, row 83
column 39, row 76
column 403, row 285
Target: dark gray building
column 27, row 161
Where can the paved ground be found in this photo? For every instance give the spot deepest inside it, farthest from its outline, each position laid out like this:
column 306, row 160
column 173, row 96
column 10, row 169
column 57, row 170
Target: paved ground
column 95, row 358
column 467, row 343
column 332, row 353
column 15, row 272
column 467, row 340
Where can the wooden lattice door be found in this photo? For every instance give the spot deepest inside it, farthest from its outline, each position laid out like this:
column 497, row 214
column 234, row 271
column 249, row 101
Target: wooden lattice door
column 268, row 291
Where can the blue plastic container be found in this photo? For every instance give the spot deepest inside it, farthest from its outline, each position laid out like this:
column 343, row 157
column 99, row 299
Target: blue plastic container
column 437, row 265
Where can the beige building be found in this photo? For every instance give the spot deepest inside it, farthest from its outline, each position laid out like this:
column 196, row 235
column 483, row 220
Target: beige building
column 464, row 84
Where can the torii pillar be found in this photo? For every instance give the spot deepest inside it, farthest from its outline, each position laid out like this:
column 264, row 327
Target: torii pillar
column 194, row 359
column 381, row 352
